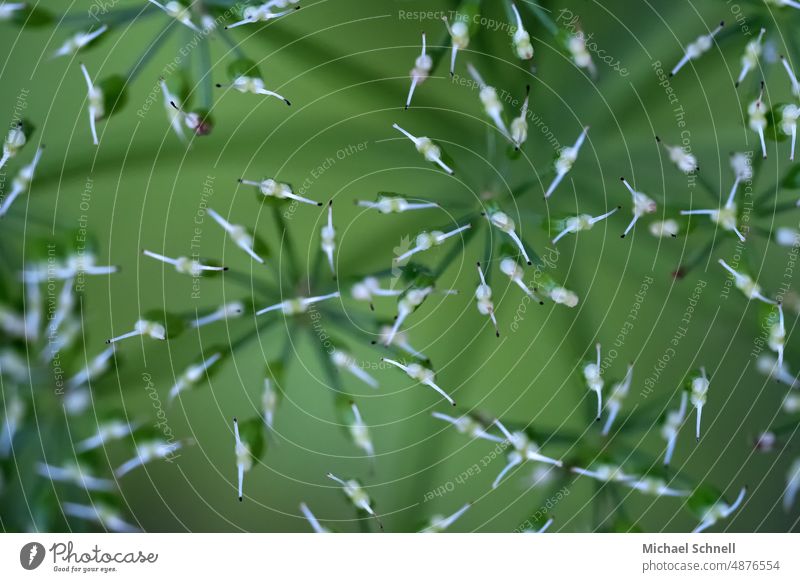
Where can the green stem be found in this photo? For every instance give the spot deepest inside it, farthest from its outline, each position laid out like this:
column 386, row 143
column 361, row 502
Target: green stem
column 150, row 52
column 226, row 37
column 541, row 15
column 287, row 240
column 206, row 82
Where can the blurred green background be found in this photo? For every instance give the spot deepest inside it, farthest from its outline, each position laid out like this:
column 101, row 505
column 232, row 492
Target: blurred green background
column 344, row 65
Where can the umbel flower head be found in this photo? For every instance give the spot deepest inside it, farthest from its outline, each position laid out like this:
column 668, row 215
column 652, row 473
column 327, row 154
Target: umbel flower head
column 566, row 159
column 642, row 204
column 698, row 48
column 421, row 71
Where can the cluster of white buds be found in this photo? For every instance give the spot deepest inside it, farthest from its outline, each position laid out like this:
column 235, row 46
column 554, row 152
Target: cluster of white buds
column 792, row 77
column 143, row 327
column 146, row 452
column 184, row 265
column 78, row 41
column 406, row 305
column 22, row 181
column 656, row 486
column 399, row 339
column 681, row 157
column 726, row 217
column 719, row 510
column 697, row 48
column 469, row 426
column 757, row 119
column 492, row 105
column 422, row 375
column 752, row 53
column 665, row 228
column 359, row 432
column 177, row 11
column 14, row 142
column 238, row 233
column 511, row 268
column 619, row 391
column 698, row 392
column 459, row 38
column 592, row 374
column 575, row 224
column 312, row 520
column 483, row 296
column 370, row 287
column 672, row 423
column 264, row 12
column 75, row 474
column 428, row 240
column 566, row 159
column 224, row 312
column 193, row 374
column 789, row 116
column 792, row 485
column 429, row 150
column 347, row 362
column 278, row 190
column 576, row 46
column 297, row 305
column 745, row 284
column 642, row 204
column 108, row 518
column 356, row 494
column 505, row 223
column 395, row 204
column 244, row 458
column 97, row 104
column 519, row 125
column 523, row 450
column 439, row 523
column 777, row 336
column 421, row 71
column 7, row 9
column 172, row 105
column 13, row 413
column 522, row 40
column 93, row 369
column 254, row 85
column 106, row 432
column 768, row 365
column 328, row 239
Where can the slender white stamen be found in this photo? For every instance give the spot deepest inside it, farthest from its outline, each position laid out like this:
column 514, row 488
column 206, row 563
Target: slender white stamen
column 642, row 205
column 227, row 311
column 792, row 77
column 312, row 521
column 430, row 151
column 566, row 159
column 698, row 394
column 390, row 204
column 238, row 234
column 757, row 119
column 262, row 13
column 193, row 375
column 177, row 11
column 406, row 305
column 777, row 336
column 344, row 360
column 244, row 459
column 752, row 53
column 581, row 222
column 519, row 126
column 328, row 236
column 515, row 273
column 298, row 305
column 143, row 327
column 614, row 402
column 492, row 105
column 522, row 40
column 78, row 41
column 672, row 424
column 592, row 373
column 483, row 295
column 278, row 190
column 146, row 452
column 422, row 69
column 440, row 523
column 96, row 103
column 459, row 37
column 697, row 48
column 746, row 284
column 428, row 240
column 467, row 425
column 21, row 182
column 184, row 265
column 173, row 112
column 506, row 224
column 422, row 375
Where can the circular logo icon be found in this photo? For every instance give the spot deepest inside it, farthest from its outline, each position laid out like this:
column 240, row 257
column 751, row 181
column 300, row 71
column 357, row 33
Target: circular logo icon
column 31, row 555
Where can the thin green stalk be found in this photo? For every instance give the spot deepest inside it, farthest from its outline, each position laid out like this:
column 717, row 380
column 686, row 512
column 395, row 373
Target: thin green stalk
column 206, row 82
column 287, row 240
column 541, row 15
column 150, row 52
column 234, row 46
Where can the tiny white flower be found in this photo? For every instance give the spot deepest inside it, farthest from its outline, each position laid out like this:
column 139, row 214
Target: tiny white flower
column 542, row 529
column 262, row 13
column 347, row 362
column 359, row 432
column 757, row 119
column 576, row 45
column 566, row 159
column 13, row 414
column 752, row 53
column 642, row 204
column 297, row 305
column 22, row 181
column 78, row 41
column 193, row 374
column 791, row 404
column 789, row 116
column 146, row 452
column 656, row 486
column 519, row 125
column 429, row 150
column 681, row 157
column 619, row 391
column 745, row 284
column 787, row 237
column 99, row 513
column 370, row 287
column 492, row 105
column 428, row 240
column 270, row 398
column 254, row 85
column 184, row 265
column 328, row 239
column 696, row 49
column 199, row 122
column 399, row 339
column 459, row 38
column 523, row 450
column 395, row 204
column 406, row 305
column 605, row 473
column 505, row 223
column 782, row 3
column 792, row 78
column 792, row 485
column 224, row 312
column 575, row 224
column 765, row 442
column 312, row 520
column 719, row 510
column 672, row 424
column 742, row 165
column 142, row 327
column 439, row 523
column 356, row 494
column 94, row 368
column 172, row 105
column 238, row 233
column 106, row 432
column 76, row 474
column 522, row 40
column 244, row 458
column 698, row 392
column 177, row 11
column 777, row 336
column 14, row 324
column 483, row 296
column 421, row 71
column 7, row 9
column 274, row 189
column 511, row 268
column 422, row 375
column 665, row 228
column 15, row 140
column 767, row 365
column 592, row 374
column 726, row 217
column 97, row 105
column 77, row 401
column 469, row 426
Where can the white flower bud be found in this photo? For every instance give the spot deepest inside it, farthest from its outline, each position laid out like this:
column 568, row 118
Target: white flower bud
column 93, row 369
column 21, row 182
column 355, row 492
column 263, row 13
column 665, row 228
column 406, row 305
column 97, row 104
column 777, row 336
column 768, row 366
column 459, row 38
column 106, row 432
column 177, row 11
column 184, row 265
column 698, row 392
column 76, row 474
column 576, row 45
column 614, row 402
column 7, row 9
column 523, row 450
column 672, row 424
column 522, row 40
column 173, row 107
column 605, row 473
column 360, row 432
column 782, row 3
column 642, row 204
column 298, row 305
column 787, row 237
column 253, row 85
column 792, row 486
column 78, row 41
column 745, row 284
column 244, row 458
column 347, row 362
column 656, row 486
column 592, row 374
column 566, row 159
column 439, row 523
column 274, row 189
column 146, row 452
column 506, row 224
column 422, row 375
column 399, row 339
column 791, row 404
column 428, row 240
column 370, row 287
column 789, row 116
column 719, row 510
column 14, row 142
column 315, row 525
column 224, row 312
column 757, row 119
column 483, row 295
column 697, row 48
column 429, row 150
column 13, row 414
column 469, row 426
column 681, row 157
column 519, row 126
column 108, row 518
column 421, row 71
column 193, row 374
column 395, row 204
column 752, row 53
column 490, row 100
column 510, row 267
column 581, row 222
column 239, row 235
column 143, row 327
column 792, row 77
